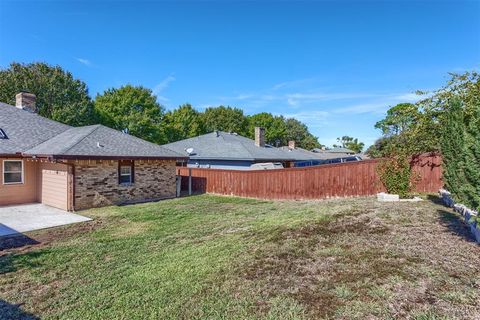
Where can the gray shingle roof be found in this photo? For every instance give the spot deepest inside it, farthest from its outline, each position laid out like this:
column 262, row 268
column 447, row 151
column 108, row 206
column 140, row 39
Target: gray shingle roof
column 31, row 134
column 227, row 146
column 100, row 141
column 25, row 129
column 301, row 154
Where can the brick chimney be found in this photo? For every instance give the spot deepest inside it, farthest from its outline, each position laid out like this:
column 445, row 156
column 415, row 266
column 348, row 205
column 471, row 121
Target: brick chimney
column 260, row 137
column 26, row 101
column 291, row 144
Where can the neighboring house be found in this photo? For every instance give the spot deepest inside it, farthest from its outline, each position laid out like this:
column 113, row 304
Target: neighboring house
column 335, row 150
column 305, row 158
column 77, row 168
column 337, row 155
column 223, row 150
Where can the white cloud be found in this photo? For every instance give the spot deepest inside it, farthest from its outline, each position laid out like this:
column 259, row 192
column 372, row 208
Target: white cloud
column 162, row 98
column 293, row 99
column 313, row 119
column 382, row 105
column 408, row 97
column 292, row 102
column 279, row 85
column 242, row 96
column 85, row 62
column 293, row 83
column 379, row 107
column 162, row 85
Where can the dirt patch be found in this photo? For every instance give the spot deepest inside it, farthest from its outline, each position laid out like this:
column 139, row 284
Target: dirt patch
column 307, row 264
column 364, row 223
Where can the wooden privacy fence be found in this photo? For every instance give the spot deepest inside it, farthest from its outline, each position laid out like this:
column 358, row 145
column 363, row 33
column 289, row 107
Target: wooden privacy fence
column 325, row 181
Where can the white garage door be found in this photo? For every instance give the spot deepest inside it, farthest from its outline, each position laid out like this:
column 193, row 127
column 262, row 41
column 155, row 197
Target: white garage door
column 55, row 186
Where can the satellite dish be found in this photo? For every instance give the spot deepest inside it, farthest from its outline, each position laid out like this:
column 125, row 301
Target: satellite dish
column 189, row 150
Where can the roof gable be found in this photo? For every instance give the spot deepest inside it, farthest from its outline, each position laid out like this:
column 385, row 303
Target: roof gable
column 24, row 129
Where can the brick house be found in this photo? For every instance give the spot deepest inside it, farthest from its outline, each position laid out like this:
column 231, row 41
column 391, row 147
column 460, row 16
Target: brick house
column 74, row 168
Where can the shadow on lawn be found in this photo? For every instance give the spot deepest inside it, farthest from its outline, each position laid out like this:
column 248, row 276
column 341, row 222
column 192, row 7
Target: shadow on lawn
column 7, row 258
column 455, row 224
column 16, row 241
column 435, row 199
column 452, row 221
column 13, row 311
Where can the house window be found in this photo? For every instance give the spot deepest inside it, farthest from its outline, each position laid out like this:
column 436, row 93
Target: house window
column 12, row 171
column 125, row 172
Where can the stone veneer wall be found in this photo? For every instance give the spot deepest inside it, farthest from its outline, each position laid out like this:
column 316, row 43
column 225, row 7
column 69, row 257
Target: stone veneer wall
column 96, row 182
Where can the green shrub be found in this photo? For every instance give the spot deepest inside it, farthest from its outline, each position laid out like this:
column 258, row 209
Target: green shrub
column 460, row 144
column 396, row 174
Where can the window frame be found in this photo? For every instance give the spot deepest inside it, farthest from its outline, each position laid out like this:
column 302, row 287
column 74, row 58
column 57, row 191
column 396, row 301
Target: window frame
column 22, row 172
column 131, row 165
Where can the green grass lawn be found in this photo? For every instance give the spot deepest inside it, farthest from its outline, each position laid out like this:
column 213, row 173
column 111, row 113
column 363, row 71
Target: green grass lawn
column 209, row 257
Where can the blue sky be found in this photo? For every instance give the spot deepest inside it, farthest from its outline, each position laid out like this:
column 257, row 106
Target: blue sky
column 337, row 66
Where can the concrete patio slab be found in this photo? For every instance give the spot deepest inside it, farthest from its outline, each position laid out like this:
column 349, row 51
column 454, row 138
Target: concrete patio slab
column 29, row 217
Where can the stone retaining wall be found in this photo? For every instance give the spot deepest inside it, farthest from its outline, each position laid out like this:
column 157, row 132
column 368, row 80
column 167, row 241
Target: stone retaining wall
column 469, row 215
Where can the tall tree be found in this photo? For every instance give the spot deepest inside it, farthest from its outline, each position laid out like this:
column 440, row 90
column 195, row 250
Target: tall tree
column 350, row 143
column 455, row 109
column 225, row 119
column 410, row 127
column 399, row 118
column 377, row 149
column 471, row 158
column 132, row 108
column 452, row 142
column 182, row 123
column 60, row 96
column 298, row 132
column 275, row 127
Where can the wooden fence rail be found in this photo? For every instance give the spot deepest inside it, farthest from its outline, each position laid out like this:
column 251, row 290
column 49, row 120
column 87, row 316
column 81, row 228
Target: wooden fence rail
column 325, row 181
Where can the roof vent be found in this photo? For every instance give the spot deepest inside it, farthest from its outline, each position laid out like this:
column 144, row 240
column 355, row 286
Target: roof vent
column 100, row 145
column 189, row 150
column 216, row 133
column 3, row 135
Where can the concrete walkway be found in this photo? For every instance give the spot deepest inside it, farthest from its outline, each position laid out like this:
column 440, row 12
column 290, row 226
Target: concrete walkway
column 29, row 217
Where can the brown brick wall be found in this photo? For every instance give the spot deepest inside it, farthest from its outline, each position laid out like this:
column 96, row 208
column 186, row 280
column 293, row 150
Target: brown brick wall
column 96, row 183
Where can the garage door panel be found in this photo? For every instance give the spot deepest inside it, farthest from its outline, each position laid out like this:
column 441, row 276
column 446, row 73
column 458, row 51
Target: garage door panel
column 55, row 186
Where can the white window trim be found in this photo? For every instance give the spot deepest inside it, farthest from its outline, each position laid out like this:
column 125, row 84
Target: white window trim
column 129, row 173
column 3, row 173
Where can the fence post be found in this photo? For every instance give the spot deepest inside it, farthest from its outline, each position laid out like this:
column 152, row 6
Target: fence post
column 189, row 181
